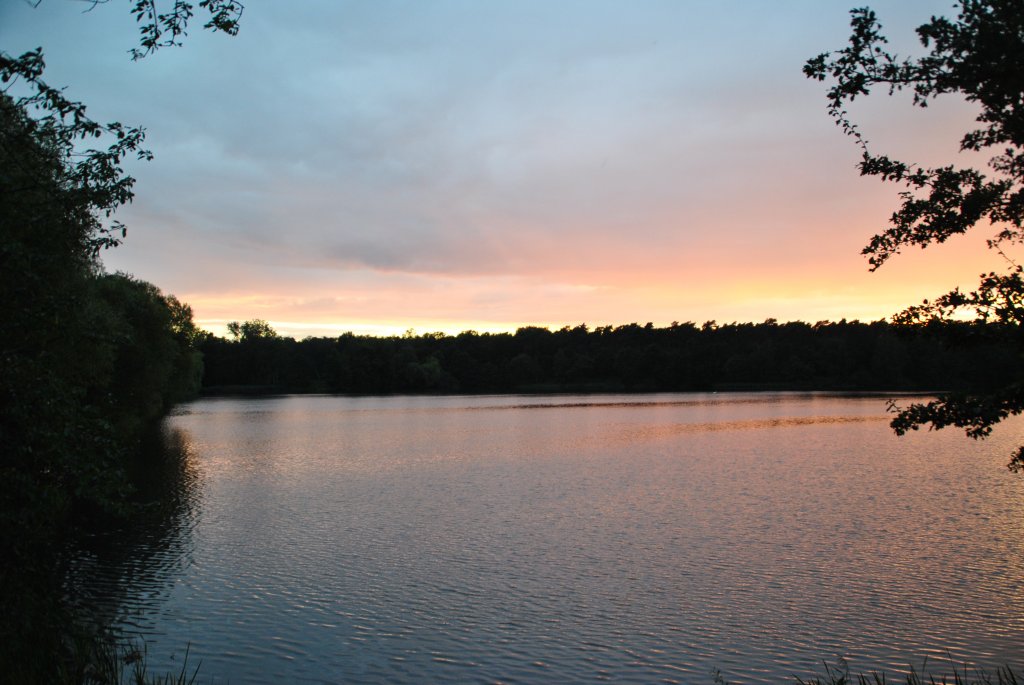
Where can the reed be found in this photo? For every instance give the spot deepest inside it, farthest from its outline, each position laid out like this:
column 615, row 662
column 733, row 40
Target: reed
column 102, row 660
column 955, row 674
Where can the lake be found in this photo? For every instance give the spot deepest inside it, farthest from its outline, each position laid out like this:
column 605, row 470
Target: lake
column 527, row 539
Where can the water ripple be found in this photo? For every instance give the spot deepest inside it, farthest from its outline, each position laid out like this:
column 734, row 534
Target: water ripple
column 626, row 539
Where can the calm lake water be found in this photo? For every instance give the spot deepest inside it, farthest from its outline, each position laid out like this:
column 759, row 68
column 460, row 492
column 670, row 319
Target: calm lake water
column 515, row 539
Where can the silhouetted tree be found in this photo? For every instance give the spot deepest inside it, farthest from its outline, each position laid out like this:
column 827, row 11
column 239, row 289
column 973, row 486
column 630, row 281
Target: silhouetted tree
column 253, row 329
column 88, row 360
column 978, row 56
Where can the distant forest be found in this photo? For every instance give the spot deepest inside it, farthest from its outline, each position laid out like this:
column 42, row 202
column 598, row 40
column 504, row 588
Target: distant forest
column 844, row 355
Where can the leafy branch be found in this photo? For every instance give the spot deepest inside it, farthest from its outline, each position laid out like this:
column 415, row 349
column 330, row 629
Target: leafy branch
column 94, row 177
column 166, row 29
column 977, row 56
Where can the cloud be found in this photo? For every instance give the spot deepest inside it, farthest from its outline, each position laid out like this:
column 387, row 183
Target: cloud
column 489, row 153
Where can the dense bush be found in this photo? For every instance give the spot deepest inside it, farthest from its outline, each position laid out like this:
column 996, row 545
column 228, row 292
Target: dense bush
column 89, row 361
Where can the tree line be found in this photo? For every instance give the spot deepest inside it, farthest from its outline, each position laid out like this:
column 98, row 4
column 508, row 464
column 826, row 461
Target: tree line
column 844, row 355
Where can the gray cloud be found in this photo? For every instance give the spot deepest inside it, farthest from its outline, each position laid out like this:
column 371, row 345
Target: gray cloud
column 467, row 137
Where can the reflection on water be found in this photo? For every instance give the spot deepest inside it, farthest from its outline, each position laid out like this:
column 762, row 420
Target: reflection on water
column 567, row 539
column 113, row 569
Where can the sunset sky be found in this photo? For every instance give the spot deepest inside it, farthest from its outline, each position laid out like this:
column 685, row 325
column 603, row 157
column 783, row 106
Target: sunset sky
column 443, row 166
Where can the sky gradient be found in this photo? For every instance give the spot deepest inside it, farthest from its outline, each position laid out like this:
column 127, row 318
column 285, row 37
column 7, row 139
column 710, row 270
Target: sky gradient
column 444, row 166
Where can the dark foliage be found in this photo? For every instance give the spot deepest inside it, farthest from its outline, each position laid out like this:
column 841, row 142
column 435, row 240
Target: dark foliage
column 977, row 56
column 837, row 356
column 90, row 360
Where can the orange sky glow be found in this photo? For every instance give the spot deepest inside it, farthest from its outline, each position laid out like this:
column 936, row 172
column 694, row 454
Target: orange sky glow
column 491, row 166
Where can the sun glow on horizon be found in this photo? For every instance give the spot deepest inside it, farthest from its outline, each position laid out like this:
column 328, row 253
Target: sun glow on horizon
column 833, row 287
column 520, row 175
column 779, row 309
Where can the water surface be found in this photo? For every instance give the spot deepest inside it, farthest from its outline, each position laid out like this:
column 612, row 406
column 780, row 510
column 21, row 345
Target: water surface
column 512, row 539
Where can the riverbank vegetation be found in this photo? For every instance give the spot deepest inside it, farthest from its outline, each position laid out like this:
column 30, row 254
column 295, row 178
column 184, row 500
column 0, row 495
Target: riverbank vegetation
column 90, row 360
